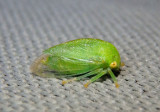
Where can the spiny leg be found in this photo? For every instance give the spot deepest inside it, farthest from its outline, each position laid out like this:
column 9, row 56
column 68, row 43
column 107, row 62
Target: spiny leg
column 89, row 74
column 113, row 77
column 95, row 78
column 81, row 77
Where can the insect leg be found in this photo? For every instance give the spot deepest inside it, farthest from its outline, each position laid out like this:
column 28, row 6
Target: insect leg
column 67, row 81
column 113, row 77
column 122, row 64
column 83, row 76
column 89, row 74
column 95, row 78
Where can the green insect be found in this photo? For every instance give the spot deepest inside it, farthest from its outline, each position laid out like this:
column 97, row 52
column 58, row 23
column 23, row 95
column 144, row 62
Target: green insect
column 79, row 59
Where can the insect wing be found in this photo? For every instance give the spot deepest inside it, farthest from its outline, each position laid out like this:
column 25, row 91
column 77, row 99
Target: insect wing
column 71, row 66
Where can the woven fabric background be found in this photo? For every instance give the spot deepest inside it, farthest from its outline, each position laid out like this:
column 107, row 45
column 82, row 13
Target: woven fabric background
column 27, row 27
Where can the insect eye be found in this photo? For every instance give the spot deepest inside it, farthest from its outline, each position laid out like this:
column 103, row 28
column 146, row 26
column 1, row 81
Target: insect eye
column 113, row 64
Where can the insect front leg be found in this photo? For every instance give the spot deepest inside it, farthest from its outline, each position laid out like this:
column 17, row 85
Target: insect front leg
column 113, row 77
column 83, row 76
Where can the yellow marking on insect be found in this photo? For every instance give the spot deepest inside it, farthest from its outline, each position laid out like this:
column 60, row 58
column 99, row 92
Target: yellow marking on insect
column 67, row 81
column 117, row 85
column 113, row 64
column 44, row 60
column 86, row 85
column 122, row 64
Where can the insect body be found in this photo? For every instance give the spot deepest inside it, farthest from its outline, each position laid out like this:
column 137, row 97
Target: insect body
column 79, row 59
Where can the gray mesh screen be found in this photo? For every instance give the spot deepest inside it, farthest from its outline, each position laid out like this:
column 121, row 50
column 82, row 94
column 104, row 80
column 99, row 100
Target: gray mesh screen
column 27, row 27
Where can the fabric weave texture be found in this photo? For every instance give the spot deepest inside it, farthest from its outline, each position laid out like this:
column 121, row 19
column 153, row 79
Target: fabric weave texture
column 27, row 27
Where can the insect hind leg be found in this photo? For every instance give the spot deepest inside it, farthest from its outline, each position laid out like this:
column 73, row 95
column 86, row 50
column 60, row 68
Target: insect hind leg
column 82, row 76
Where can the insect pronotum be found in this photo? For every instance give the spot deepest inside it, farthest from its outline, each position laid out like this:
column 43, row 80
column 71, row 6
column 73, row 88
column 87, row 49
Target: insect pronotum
column 79, row 59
